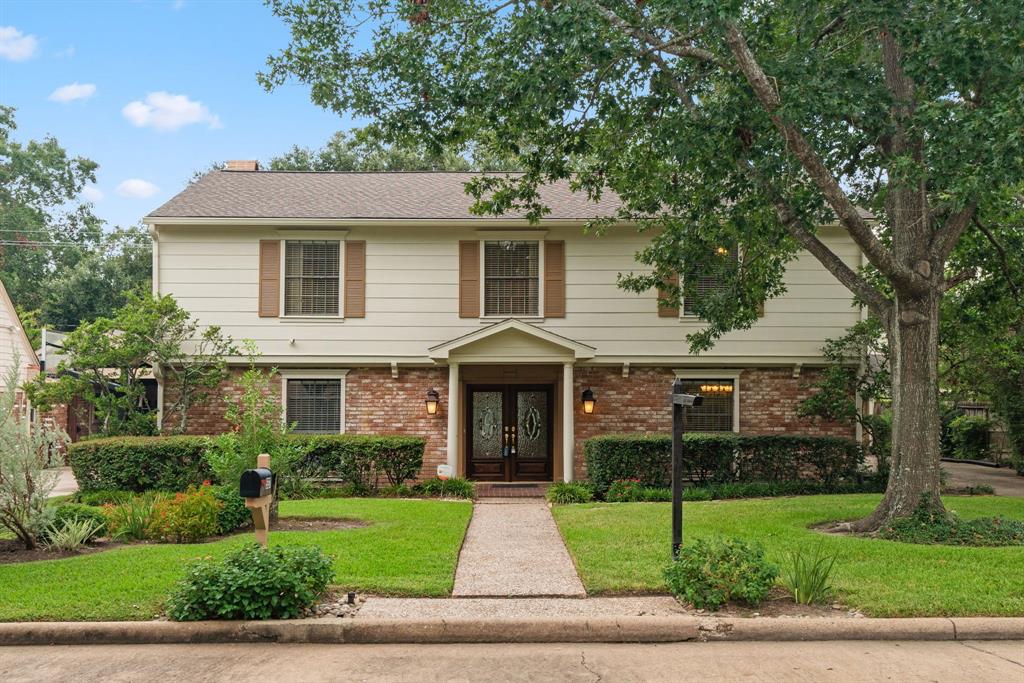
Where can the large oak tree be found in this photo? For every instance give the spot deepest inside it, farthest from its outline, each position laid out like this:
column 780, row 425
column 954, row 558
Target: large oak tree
column 718, row 123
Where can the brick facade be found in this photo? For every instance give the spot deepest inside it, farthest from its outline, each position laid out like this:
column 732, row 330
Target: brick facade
column 208, row 418
column 376, row 403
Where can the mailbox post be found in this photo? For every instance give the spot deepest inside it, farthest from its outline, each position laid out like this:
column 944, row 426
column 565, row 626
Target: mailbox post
column 680, row 401
column 257, row 488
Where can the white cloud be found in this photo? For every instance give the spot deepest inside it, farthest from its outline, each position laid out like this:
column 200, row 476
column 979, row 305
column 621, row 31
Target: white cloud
column 66, row 53
column 178, row 4
column 74, row 91
column 166, row 112
column 137, row 188
column 92, row 193
column 15, row 45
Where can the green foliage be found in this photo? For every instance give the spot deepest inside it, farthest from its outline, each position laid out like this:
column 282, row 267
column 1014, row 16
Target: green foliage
column 147, row 331
column 754, row 489
column 253, row 583
column 711, row 572
column 625, row 491
column 447, row 488
column 721, row 458
column 139, row 463
column 232, row 514
column 568, row 493
column 25, row 452
column 808, row 574
column 101, row 496
column 131, row 519
column 932, row 526
column 71, row 533
column 187, row 517
column 70, row 512
column 360, row 460
column 969, row 437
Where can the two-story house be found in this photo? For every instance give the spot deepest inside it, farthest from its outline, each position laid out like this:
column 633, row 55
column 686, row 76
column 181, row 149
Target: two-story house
column 388, row 308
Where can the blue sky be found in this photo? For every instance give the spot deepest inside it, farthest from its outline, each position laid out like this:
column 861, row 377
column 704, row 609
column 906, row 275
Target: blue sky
column 151, row 90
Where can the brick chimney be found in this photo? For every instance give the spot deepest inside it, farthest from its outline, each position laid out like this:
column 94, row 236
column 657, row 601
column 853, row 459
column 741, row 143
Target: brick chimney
column 242, row 165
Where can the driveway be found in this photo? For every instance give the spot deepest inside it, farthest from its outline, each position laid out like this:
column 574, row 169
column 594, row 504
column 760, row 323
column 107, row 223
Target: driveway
column 66, row 483
column 1004, row 481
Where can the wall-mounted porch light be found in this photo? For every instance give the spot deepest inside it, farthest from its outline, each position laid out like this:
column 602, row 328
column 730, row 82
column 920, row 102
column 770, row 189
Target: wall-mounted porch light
column 588, row 401
column 433, row 398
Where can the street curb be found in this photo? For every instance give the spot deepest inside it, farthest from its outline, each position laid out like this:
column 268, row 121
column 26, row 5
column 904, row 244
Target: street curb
column 533, row 630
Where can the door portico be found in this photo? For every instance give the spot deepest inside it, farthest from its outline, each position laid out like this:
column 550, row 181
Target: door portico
column 503, row 356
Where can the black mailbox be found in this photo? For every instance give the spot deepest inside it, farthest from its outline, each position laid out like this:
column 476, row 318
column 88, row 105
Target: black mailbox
column 256, row 483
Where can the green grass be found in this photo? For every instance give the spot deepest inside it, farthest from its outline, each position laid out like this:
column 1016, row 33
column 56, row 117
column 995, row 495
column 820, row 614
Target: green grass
column 409, row 548
column 624, row 547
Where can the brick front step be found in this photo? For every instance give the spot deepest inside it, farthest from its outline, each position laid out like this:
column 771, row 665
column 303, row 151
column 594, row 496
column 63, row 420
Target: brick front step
column 487, row 489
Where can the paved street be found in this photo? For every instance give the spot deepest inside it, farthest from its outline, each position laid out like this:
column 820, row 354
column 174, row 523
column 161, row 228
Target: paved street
column 1000, row 661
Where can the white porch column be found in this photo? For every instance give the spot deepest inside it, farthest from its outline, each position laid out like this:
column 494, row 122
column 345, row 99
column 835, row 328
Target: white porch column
column 568, row 428
column 453, row 417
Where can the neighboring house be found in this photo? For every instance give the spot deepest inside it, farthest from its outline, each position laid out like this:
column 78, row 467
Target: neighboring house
column 15, row 345
column 371, row 291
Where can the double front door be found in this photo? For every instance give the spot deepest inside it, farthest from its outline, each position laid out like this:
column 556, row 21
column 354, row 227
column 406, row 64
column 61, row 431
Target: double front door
column 509, row 431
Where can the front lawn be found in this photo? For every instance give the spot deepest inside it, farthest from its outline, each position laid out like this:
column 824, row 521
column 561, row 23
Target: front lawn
column 409, row 548
column 623, row 547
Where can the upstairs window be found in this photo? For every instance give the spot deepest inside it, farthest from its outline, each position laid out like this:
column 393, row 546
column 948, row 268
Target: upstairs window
column 715, row 414
column 511, row 278
column 314, row 405
column 311, row 276
column 709, row 282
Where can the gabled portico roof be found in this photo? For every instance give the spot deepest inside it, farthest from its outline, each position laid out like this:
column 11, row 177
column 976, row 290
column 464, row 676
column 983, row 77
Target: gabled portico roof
column 511, row 326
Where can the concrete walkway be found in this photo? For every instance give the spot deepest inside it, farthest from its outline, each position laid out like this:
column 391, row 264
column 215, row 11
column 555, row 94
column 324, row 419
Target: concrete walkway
column 1004, row 481
column 66, row 483
column 515, row 550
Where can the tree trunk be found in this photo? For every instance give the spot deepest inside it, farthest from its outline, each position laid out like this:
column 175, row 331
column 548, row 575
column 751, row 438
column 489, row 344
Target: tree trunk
column 914, row 466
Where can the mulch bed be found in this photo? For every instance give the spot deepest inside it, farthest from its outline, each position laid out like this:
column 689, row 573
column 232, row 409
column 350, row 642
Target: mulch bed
column 780, row 604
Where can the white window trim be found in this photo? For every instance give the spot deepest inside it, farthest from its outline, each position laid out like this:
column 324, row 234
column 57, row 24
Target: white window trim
column 712, row 373
column 286, row 375
column 305, row 236
column 538, row 317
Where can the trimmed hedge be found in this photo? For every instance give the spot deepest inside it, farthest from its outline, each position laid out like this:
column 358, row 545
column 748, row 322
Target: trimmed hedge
column 721, row 459
column 173, row 463
column 139, row 463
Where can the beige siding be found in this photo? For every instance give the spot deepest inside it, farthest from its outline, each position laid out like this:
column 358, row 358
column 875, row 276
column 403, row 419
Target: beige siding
column 412, row 298
column 13, row 345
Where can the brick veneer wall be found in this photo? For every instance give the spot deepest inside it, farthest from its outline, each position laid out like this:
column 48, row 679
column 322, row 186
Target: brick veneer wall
column 375, row 403
column 769, row 398
column 208, row 418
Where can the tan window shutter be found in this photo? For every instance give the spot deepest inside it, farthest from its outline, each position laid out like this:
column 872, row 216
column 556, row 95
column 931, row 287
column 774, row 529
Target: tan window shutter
column 672, row 312
column 355, row 279
column 469, row 279
column 760, row 310
column 554, row 279
column 270, row 278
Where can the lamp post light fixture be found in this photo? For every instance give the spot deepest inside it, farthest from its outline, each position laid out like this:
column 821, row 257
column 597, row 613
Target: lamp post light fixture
column 588, row 401
column 433, row 398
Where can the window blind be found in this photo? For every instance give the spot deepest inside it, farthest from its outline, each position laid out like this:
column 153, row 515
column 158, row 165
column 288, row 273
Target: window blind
column 311, row 277
column 511, row 278
column 715, row 414
column 314, row 405
column 697, row 285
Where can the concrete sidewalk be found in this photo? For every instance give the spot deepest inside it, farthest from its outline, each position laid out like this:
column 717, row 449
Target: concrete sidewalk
column 514, row 549
column 999, row 662
column 519, row 608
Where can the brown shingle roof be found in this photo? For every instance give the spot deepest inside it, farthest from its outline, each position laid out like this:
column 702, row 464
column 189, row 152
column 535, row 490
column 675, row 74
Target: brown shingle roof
column 393, row 195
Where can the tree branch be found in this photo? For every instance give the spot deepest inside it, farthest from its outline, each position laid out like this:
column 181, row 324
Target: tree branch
column 680, row 46
column 845, row 210
column 958, row 279
column 1007, row 270
column 949, row 234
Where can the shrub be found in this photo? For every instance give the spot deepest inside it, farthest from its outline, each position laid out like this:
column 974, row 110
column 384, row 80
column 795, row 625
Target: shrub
column 711, row 572
column 360, row 460
column 447, row 488
column 186, row 517
column 625, row 491
column 139, row 463
column 567, row 493
column 931, row 526
column 252, row 583
column 70, row 512
column 131, row 519
column 969, row 437
column 807, row 575
column 232, row 514
column 397, row 491
column 657, row 495
column 722, row 458
column 72, row 533
column 102, row 497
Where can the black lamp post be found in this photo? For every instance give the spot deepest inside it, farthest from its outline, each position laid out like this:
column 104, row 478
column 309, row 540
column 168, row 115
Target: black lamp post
column 680, row 401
